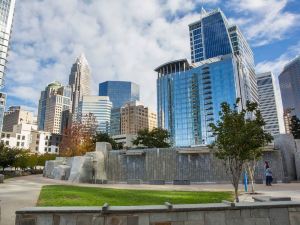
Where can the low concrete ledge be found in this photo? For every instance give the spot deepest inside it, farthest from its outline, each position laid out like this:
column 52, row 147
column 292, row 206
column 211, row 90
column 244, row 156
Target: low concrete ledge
column 194, row 151
column 135, row 153
column 100, row 181
column 160, row 208
column 181, row 182
column 267, row 213
column 134, row 181
column 270, row 199
column 157, row 182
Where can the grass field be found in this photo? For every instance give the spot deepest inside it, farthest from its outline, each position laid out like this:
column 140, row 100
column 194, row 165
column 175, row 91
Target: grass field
column 60, row 195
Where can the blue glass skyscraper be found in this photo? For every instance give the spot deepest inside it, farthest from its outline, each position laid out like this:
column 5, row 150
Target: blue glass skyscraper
column 119, row 93
column 7, row 8
column 189, row 95
column 289, row 81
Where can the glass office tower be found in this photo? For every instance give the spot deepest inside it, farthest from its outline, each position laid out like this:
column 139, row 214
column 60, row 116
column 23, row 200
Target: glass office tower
column 289, row 81
column 189, row 98
column 6, row 19
column 7, row 8
column 222, row 69
column 212, row 36
column 119, row 92
column 115, row 122
column 100, row 108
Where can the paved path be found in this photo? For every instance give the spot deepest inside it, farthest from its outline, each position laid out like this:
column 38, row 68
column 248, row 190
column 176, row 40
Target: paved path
column 23, row 192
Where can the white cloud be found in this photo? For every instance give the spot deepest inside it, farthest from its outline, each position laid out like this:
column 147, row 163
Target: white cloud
column 276, row 66
column 25, row 93
column 264, row 21
column 122, row 40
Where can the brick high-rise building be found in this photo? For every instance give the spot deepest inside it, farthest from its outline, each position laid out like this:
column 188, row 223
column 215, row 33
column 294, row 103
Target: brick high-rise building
column 16, row 115
column 135, row 117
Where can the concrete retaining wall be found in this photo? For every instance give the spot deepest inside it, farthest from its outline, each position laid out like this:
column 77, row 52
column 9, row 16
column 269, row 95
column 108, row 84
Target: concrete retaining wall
column 287, row 145
column 170, row 165
column 268, row 213
column 157, row 166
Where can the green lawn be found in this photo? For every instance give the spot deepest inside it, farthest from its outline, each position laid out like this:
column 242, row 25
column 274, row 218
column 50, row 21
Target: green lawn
column 60, row 195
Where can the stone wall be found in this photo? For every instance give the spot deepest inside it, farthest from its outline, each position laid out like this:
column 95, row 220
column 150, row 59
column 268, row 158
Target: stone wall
column 158, row 166
column 172, row 164
column 297, row 158
column 267, row 213
column 80, row 169
column 287, row 145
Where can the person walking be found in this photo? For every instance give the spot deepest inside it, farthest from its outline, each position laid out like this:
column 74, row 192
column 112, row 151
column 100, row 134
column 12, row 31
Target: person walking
column 266, row 165
column 269, row 176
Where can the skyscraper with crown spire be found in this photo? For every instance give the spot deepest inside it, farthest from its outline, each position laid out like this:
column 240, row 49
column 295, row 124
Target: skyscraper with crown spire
column 79, row 80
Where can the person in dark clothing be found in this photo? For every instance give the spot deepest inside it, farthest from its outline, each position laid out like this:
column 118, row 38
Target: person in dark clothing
column 268, row 173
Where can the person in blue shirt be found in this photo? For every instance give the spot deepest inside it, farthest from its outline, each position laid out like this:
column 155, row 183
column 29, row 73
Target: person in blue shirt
column 268, row 173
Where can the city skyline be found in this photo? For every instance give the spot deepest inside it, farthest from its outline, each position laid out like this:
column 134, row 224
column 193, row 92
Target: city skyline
column 142, row 47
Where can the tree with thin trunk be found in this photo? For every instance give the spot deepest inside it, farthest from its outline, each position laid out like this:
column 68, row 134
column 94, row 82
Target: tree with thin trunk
column 78, row 139
column 251, row 166
column 239, row 137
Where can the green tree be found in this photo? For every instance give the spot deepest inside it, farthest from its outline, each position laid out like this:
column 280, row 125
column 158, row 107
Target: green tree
column 295, row 127
column 239, row 138
column 7, row 156
column 156, row 138
column 32, row 161
column 45, row 157
column 22, row 159
column 104, row 137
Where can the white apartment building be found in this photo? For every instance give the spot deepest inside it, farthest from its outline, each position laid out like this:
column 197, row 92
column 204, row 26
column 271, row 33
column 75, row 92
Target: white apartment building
column 26, row 136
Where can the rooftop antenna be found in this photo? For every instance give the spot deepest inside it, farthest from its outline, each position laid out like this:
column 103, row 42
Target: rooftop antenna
column 203, row 11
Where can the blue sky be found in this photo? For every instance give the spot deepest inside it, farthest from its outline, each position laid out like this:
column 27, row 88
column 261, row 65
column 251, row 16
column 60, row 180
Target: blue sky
column 127, row 39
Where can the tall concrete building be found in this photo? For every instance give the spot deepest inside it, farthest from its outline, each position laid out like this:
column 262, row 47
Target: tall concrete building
column 100, row 108
column 289, row 81
column 79, row 80
column 50, row 90
column 268, row 103
column 135, row 116
column 16, row 115
column 55, row 100
column 7, row 8
column 222, row 69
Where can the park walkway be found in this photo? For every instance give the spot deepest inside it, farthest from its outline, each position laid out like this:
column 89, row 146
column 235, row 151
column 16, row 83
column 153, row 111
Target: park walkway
column 17, row 193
